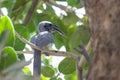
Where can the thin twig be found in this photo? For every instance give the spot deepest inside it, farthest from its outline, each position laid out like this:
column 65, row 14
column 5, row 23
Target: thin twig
column 24, row 52
column 80, row 73
column 50, row 52
column 30, row 11
column 82, row 60
column 83, row 51
column 78, row 70
column 16, row 66
column 65, row 8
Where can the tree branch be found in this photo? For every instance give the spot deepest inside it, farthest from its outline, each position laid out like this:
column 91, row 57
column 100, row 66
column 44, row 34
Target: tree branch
column 24, row 52
column 65, row 8
column 16, row 66
column 30, row 12
column 50, row 52
column 79, row 63
column 82, row 60
column 62, row 7
column 79, row 71
column 83, row 51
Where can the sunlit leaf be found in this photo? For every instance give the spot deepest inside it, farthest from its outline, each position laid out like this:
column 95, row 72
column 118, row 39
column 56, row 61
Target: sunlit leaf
column 26, row 70
column 6, row 24
column 67, row 66
column 17, row 10
column 7, row 58
column 71, row 76
column 45, row 60
column 48, row 71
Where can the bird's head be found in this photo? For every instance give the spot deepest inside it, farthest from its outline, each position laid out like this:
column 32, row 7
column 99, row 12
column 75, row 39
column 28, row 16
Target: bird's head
column 48, row 26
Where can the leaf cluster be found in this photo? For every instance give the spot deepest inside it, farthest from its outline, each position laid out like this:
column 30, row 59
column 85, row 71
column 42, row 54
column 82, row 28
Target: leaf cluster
column 17, row 12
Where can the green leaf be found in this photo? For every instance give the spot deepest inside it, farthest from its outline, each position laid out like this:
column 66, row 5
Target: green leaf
column 6, row 24
column 55, row 78
column 21, row 56
column 71, row 18
column 70, row 30
column 80, row 34
column 26, row 70
column 58, row 41
column 23, row 31
column 71, row 76
column 75, row 3
column 48, row 71
column 71, row 2
column 32, row 25
column 7, row 58
column 67, row 66
column 46, row 61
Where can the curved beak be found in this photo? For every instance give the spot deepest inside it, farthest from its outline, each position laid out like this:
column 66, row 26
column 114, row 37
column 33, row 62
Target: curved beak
column 58, row 30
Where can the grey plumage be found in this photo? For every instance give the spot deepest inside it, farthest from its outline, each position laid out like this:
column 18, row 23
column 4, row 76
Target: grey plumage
column 33, row 39
column 44, row 39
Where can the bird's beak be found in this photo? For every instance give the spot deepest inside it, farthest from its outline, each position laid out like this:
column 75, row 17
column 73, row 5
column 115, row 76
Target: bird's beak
column 58, row 30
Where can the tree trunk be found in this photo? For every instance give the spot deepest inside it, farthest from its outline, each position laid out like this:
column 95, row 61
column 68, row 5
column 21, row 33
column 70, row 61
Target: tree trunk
column 104, row 20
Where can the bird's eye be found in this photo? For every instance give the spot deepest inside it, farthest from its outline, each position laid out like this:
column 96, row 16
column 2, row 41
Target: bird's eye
column 45, row 26
column 50, row 24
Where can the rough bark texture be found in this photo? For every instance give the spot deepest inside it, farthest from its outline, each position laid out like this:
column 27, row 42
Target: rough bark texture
column 104, row 19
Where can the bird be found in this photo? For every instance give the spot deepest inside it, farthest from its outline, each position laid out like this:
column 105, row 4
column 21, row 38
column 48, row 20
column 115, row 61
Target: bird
column 44, row 40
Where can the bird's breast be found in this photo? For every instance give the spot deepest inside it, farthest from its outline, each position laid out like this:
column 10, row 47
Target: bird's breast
column 44, row 40
column 47, row 47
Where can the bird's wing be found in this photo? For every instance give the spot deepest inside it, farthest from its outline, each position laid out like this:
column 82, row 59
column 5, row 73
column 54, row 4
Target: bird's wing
column 33, row 39
column 43, row 39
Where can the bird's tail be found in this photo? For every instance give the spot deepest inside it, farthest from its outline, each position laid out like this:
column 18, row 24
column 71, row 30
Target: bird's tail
column 37, row 63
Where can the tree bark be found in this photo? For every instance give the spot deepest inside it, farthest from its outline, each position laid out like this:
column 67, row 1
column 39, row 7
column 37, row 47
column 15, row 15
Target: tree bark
column 104, row 20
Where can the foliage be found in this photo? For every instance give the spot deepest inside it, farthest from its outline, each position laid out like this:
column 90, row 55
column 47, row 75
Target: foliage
column 74, row 34
column 8, row 57
column 6, row 24
column 67, row 66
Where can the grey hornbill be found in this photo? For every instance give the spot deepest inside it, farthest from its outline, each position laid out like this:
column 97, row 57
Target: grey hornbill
column 44, row 40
